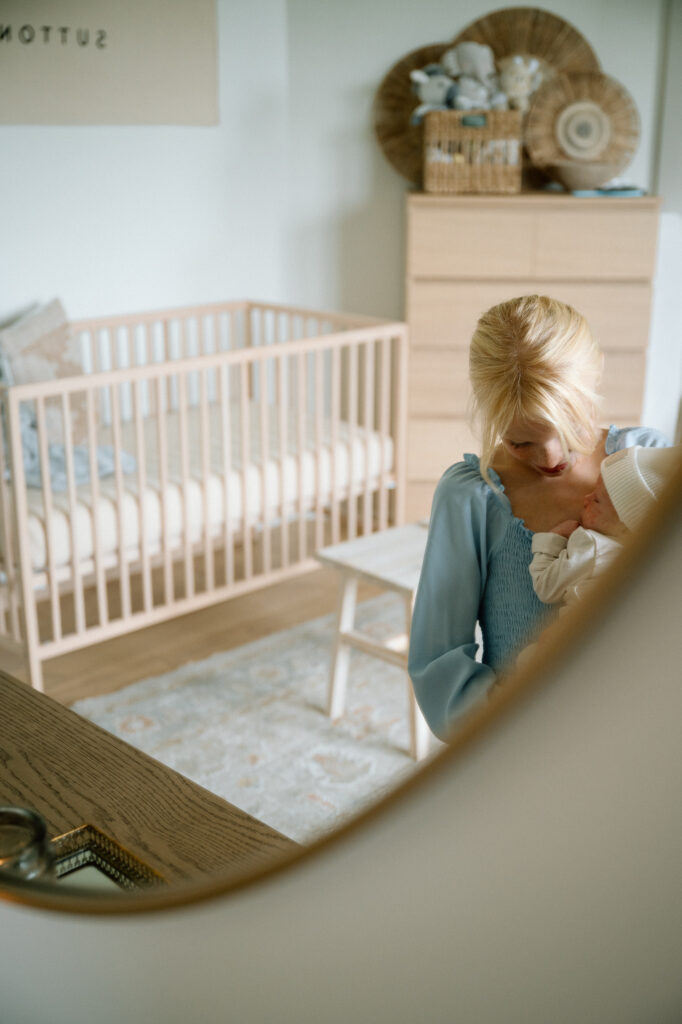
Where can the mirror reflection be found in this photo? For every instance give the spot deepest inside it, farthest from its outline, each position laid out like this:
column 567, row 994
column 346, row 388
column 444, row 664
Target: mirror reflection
column 248, row 753
column 272, row 556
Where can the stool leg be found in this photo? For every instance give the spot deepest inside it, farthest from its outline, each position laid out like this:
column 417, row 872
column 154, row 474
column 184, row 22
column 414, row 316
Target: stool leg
column 419, row 730
column 345, row 620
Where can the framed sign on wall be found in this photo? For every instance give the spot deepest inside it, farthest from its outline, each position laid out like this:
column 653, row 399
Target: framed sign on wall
column 108, row 62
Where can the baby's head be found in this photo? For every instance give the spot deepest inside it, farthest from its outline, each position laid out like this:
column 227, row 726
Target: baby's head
column 630, row 483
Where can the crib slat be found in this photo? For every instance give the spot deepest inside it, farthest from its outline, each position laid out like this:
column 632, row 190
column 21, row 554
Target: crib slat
column 400, row 424
column 205, row 441
column 265, row 458
column 319, row 447
column 141, row 459
column 130, row 338
column 283, row 407
column 123, row 566
column 368, row 425
column 334, row 443
column 384, row 427
column 79, row 604
column 95, row 352
column 301, row 406
column 148, row 344
column 352, row 432
column 162, row 443
column 167, row 357
column 48, row 513
column 215, row 320
column 246, row 460
column 185, row 485
column 100, row 579
column 226, row 431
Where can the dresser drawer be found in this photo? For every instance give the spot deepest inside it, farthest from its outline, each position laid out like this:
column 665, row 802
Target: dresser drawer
column 623, row 385
column 450, row 241
column 596, row 244
column 443, row 314
column 540, row 238
column 434, row 444
column 439, row 382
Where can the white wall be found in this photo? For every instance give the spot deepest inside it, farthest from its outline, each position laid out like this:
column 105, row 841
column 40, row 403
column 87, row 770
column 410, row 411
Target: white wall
column 290, row 198
column 115, row 219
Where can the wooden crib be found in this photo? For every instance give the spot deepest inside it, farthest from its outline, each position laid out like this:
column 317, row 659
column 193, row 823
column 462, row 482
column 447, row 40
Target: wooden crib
column 203, row 452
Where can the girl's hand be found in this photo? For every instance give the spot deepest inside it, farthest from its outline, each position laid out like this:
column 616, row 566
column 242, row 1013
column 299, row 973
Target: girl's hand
column 566, row 528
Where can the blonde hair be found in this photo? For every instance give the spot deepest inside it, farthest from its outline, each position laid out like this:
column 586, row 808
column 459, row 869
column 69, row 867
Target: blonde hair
column 534, row 358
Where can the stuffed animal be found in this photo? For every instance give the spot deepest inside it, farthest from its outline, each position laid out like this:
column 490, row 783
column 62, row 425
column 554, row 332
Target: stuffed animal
column 473, row 59
column 519, row 78
column 473, row 67
column 435, row 89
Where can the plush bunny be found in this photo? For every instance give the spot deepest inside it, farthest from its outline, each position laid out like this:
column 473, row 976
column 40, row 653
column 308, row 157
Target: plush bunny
column 435, row 89
column 519, row 78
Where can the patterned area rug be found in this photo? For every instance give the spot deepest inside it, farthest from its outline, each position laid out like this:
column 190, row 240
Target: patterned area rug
column 250, row 725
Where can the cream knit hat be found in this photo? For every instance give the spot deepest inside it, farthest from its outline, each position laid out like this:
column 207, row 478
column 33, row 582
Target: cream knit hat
column 635, row 478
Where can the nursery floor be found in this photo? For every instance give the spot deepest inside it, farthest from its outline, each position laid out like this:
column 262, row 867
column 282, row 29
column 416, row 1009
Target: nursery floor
column 109, row 666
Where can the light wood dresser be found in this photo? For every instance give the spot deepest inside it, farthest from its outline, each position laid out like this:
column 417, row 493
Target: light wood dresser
column 464, row 254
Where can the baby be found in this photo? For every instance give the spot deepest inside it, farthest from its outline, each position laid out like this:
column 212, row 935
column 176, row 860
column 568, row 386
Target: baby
column 570, row 557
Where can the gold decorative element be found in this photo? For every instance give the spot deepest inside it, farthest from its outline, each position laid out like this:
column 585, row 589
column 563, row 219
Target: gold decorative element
column 87, row 846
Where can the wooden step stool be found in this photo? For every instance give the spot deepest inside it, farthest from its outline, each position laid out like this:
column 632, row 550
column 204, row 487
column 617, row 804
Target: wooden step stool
column 391, row 559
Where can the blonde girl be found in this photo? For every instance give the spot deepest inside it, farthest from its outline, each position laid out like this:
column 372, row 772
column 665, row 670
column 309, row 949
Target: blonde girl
column 535, row 372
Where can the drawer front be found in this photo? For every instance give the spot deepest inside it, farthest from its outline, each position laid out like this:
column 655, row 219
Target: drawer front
column 443, row 314
column 596, row 244
column 623, row 385
column 439, row 382
column 581, row 242
column 447, row 242
column 434, row 444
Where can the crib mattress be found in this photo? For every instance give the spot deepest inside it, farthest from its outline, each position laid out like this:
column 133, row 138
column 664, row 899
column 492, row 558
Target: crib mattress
column 280, row 477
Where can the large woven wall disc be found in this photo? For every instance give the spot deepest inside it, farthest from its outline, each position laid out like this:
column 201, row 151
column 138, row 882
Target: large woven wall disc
column 531, row 32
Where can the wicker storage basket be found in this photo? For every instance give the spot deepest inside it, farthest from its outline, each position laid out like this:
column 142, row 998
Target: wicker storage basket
column 472, row 151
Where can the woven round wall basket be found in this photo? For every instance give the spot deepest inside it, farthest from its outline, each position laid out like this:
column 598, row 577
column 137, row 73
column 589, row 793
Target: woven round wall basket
column 583, row 118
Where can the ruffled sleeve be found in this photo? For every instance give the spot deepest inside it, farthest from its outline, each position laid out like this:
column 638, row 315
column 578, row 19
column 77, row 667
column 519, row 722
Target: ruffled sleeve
column 626, row 437
column 465, row 522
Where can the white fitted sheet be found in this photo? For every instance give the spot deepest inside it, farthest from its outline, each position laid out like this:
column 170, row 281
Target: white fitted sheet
column 283, row 488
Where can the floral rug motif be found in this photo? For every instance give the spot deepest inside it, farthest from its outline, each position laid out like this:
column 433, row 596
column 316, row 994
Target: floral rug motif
column 250, row 724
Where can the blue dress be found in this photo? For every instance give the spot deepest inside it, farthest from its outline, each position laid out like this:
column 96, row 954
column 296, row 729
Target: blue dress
column 476, row 570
